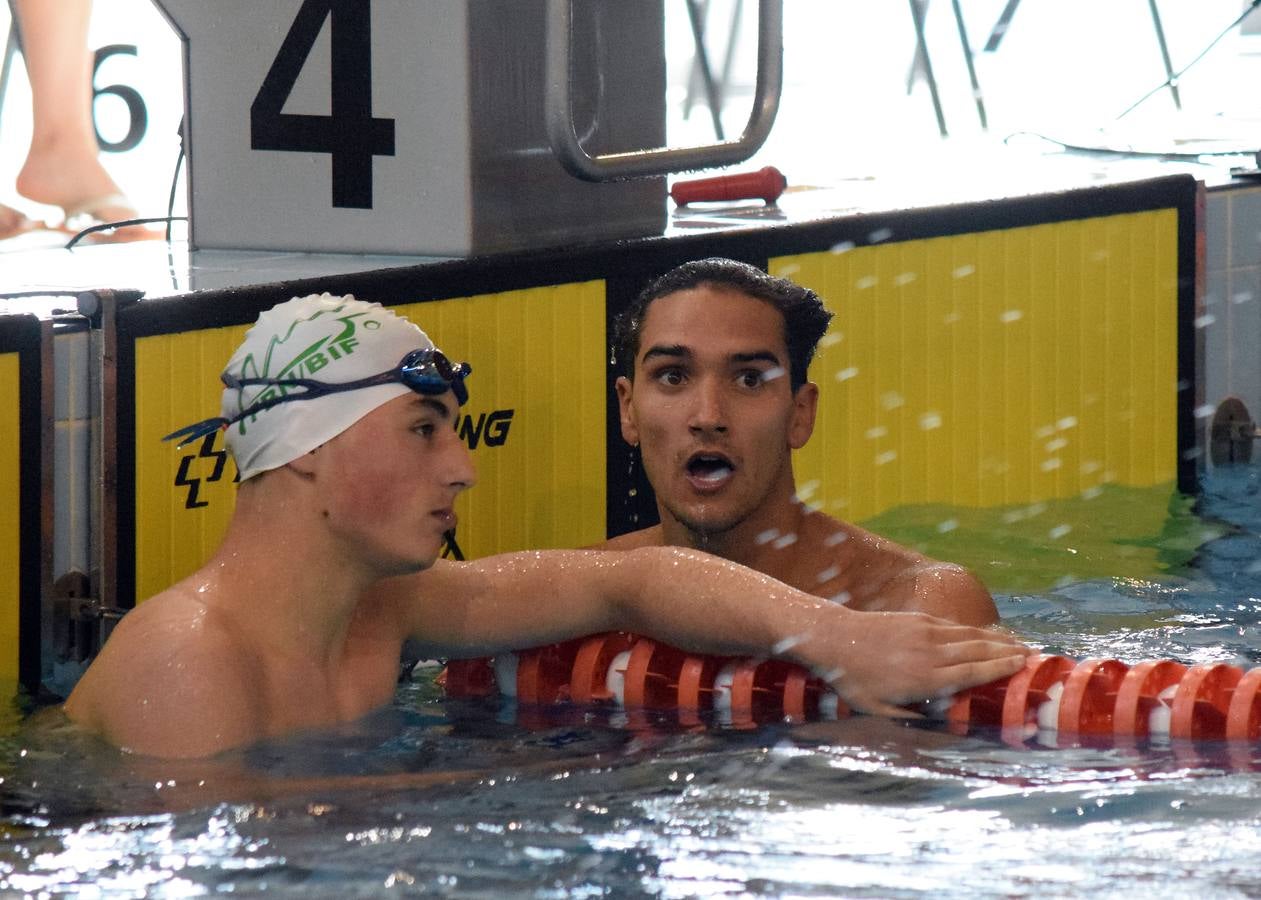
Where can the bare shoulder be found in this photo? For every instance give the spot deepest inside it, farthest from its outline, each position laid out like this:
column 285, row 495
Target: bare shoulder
column 840, row 560
column 634, row 540
column 951, row 592
column 843, row 540
column 877, row 574
column 170, row 681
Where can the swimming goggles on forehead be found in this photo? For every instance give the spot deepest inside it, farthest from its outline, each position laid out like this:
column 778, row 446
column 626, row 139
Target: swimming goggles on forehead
column 426, row 372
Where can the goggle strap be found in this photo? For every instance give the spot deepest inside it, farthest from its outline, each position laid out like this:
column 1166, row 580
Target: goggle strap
column 313, row 389
column 190, row 433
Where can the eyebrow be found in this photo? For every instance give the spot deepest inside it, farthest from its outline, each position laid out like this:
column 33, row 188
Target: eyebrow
column 435, row 406
column 670, row 350
column 678, row 351
column 757, row 356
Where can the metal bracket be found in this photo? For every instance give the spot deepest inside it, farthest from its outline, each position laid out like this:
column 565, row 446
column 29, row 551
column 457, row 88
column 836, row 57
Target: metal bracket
column 81, row 624
column 661, row 160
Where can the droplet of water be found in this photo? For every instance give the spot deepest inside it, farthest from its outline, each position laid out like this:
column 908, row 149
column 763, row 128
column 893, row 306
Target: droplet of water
column 876, row 433
column 781, row 647
column 767, row 536
column 880, row 234
column 930, row 420
column 947, row 525
column 904, row 279
column 891, row 400
column 847, row 373
column 964, row 271
column 1011, row 315
column 772, row 373
column 806, row 491
column 867, row 281
column 843, row 247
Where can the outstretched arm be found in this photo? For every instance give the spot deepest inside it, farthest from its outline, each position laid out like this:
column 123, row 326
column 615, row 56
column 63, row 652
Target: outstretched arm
column 699, row 603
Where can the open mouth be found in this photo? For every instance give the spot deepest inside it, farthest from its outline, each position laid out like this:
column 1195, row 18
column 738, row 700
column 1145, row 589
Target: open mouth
column 709, row 468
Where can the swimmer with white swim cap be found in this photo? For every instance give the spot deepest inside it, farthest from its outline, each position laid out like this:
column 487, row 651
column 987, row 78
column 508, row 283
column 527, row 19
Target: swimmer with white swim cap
column 313, row 347
column 340, row 415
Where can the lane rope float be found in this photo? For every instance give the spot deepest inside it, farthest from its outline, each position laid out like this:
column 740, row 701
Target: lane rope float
column 1154, row 698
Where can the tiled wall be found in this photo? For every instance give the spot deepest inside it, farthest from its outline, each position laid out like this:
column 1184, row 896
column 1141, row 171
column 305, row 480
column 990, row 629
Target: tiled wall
column 72, row 454
column 1232, row 301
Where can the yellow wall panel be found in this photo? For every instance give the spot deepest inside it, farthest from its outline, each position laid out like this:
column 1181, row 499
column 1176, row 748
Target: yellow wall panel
column 541, row 353
column 10, row 533
column 536, row 413
column 184, row 497
column 998, row 368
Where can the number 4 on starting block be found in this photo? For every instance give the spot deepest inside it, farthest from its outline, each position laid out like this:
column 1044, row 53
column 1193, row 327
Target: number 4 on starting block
column 411, row 126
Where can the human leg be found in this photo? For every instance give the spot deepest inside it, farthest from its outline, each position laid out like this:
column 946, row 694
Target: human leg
column 62, row 166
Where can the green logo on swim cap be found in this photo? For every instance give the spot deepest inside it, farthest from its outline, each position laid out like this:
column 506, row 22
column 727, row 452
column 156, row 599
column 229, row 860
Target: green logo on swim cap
column 308, row 362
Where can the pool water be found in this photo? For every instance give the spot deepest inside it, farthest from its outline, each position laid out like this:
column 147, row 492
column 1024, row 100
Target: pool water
column 478, row 799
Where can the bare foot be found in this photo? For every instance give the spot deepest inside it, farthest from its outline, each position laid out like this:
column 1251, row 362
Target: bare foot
column 64, row 176
column 13, row 223
column 75, row 180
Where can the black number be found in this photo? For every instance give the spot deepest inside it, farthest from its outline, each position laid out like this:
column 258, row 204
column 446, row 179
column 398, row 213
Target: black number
column 351, row 135
column 138, row 115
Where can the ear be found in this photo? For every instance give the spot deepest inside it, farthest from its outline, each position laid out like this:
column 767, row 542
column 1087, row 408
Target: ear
column 626, row 413
column 307, row 465
column 805, row 406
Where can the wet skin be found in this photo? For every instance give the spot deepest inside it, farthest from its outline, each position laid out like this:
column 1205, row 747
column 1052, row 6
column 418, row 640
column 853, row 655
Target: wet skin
column 329, row 564
column 715, row 417
column 397, row 509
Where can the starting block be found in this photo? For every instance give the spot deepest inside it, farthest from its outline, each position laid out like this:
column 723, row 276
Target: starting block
column 435, row 128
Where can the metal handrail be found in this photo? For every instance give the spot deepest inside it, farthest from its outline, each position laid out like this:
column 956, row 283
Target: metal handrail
column 558, row 108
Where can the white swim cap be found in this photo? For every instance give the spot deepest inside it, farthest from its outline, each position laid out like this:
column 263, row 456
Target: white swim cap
column 321, row 337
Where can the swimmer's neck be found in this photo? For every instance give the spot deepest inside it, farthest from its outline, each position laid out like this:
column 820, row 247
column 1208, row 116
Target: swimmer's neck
column 295, row 588
column 768, row 540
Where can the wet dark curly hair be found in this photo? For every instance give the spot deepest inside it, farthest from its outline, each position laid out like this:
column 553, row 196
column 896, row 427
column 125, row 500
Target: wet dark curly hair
column 805, row 317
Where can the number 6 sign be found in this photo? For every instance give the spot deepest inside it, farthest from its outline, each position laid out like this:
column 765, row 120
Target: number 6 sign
column 412, row 126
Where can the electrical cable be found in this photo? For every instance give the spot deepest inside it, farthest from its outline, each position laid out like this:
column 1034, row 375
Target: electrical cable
column 124, row 223
column 1172, row 79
